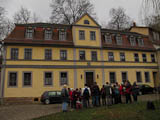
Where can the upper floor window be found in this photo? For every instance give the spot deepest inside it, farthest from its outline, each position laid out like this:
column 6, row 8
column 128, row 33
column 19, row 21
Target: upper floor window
column 92, row 35
column 82, row 55
column 48, row 34
column 28, row 53
column 29, row 33
column 62, row 35
column 153, row 58
column 86, row 22
column 119, row 40
column 27, row 79
column 108, row 39
column 136, row 57
column 48, row 54
column 122, row 57
column 144, row 57
column 94, row 55
column 132, row 41
column 48, row 78
column 14, row 53
column 63, row 55
column 12, row 79
column 110, row 56
column 63, row 78
column 140, row 42
column 81, row 35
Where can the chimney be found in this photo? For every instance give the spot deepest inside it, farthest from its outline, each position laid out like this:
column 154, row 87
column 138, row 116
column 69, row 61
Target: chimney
column 134, row 24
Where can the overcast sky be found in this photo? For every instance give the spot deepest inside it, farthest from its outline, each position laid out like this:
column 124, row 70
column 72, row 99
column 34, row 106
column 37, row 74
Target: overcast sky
column 102, row 7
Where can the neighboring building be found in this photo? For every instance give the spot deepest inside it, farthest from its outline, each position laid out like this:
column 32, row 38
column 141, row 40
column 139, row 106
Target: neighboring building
column 42, row 57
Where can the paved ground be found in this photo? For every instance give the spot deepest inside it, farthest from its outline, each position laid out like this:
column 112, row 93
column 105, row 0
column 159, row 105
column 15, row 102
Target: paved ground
column 27, row 112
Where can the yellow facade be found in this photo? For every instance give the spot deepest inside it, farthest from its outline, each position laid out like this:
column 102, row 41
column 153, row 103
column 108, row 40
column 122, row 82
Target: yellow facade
column 75, row 68
column 141, row 30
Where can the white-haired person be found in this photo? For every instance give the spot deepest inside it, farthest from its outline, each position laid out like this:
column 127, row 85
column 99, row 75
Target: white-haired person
column 65, row 98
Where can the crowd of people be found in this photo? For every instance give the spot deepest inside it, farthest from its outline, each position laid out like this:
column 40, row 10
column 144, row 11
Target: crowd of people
column 106, row 96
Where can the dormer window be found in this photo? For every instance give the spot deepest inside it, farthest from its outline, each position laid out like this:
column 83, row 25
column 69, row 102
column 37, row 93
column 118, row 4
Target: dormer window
column 62, row 35
column 119, row 40
column 48, row 34
column 132, row 41
column 86, row 22
column 140, row 42
column 29, row 33
column 108, row 39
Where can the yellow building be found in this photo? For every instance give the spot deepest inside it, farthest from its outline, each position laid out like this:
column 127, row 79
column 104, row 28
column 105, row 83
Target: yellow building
column 42, row 57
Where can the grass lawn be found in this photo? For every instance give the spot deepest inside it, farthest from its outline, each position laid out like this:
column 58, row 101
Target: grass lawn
column 135, row 111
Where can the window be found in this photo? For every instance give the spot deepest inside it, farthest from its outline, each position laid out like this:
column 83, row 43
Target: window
column 108, row 39
column 53, row 93
column 94, row 55
column 12, row 79
column 48, row 34
column 124, row 77
column 92, row 35
column 140, row 42
column 62, row 35
column 110, row 56
column 112, row 76
column 153, row 58
column 27, row 79
column 81, row 35
column 82, row 55
column 119, row 40
column 27, row 53
column 63, row 78
column 144, row 57
column 132, row 41
column 138, row 76
column 136, row 57
column 14, row 53
column 63, row 55
column 122, row 57
column 147, row 77
column 48, row 54
column 29, row 33
column 48, row 78
column 86, row 22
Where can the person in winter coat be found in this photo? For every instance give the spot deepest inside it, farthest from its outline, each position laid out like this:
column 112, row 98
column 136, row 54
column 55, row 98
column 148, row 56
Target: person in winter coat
column 128, row 92
column 121, row 92
column 95, row 94
column 103, row 95
column 75, row 96
column 134, row 91
column 108, row 91
column 65, row 98
column 86, row 92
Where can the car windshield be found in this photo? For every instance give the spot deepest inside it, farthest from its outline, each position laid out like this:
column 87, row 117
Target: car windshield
column 52, row 93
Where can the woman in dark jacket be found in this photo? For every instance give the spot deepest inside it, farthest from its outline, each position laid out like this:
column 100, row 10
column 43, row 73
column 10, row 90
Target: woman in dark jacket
column 135, row 91
column 128, row 92
column 65, row 98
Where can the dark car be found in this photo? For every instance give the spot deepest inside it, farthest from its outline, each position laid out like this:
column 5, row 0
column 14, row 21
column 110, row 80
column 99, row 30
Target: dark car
column 51, row 97
column 145, row 89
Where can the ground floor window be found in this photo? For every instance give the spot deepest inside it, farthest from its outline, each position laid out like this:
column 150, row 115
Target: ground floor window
column 48, row 78
column 112, row 76
column 124, row 77
column 12, row 79
column 63, row 78
column 147, row 77
column 27, row 79
column 139, row 77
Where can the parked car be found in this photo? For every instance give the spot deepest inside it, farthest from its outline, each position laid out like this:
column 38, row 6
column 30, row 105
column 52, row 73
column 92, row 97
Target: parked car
column 51, row 97
column 145, row 89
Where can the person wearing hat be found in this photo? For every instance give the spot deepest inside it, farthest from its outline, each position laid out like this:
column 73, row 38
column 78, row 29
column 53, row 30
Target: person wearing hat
column 65, row 98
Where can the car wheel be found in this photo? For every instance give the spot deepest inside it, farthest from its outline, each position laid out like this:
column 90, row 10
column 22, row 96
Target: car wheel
column 140, row 93
column 47, row 101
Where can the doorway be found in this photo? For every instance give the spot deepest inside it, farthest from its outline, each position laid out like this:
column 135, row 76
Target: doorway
column 89, row 78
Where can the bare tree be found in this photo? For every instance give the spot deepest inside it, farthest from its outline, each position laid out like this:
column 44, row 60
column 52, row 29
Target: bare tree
column 68, row 11
column 152, row 4
column 22, row 16
column 119, row 19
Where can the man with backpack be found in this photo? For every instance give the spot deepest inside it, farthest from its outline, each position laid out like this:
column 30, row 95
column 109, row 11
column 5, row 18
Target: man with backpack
column 86, row 95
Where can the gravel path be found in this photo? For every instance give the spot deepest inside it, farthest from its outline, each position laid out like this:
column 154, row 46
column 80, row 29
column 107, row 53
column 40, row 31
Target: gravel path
column 28, row 112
